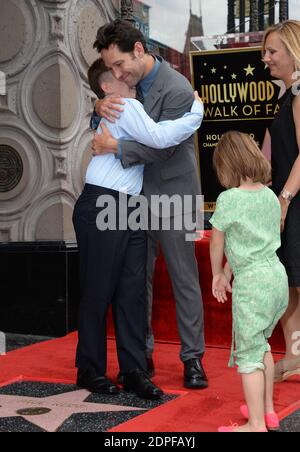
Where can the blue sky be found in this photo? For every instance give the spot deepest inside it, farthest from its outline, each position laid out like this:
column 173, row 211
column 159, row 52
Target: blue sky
column 169, row 18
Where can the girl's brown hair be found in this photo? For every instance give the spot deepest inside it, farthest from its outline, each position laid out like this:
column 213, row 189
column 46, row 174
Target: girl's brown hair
column 237, row 157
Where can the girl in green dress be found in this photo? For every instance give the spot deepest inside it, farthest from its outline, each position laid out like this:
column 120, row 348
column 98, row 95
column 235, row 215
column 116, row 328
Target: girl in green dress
column 246, row 226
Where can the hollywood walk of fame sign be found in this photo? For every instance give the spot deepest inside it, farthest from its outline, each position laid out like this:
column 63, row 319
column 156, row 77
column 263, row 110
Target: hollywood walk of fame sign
column 49, row 413
column 238, row 94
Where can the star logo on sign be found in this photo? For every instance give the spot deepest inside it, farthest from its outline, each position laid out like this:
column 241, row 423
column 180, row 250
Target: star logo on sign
column 233, row 76
column 49, row 413
column 214, row 70
column 249, row 70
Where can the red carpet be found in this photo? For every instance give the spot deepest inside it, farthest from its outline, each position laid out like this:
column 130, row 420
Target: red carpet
column 218, row 327
column 198, row 411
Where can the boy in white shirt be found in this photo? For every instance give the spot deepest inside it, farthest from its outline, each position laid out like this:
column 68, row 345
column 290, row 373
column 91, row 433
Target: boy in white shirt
column 113, row 262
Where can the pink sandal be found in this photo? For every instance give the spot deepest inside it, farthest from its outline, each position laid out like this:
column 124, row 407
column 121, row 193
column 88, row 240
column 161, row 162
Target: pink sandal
column 272, row 420
column 231, row 429
column 286, row 368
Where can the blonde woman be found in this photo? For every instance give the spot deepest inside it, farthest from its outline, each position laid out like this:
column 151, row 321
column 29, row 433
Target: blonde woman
column 246, row 226
column 281, row 52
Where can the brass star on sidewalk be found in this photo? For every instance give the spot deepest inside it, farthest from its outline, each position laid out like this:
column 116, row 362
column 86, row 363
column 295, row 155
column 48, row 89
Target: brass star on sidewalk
column 53, row 411
column 249, row 70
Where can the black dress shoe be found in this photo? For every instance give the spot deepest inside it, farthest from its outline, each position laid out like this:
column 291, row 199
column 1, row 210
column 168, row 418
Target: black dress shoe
column 140, row 384
column 150, row 368
column 120, row 378
column 194, row 375
column 150, row 371
column 88, row 379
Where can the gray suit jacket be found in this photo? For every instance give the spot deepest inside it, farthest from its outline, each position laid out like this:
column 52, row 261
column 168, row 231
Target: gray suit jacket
column 174, row 170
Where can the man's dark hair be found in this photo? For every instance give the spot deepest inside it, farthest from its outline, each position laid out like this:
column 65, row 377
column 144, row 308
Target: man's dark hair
column 121, row 33
column 95, row 75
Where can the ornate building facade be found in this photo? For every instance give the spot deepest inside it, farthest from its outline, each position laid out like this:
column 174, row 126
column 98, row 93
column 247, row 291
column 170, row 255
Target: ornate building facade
column 46, row 48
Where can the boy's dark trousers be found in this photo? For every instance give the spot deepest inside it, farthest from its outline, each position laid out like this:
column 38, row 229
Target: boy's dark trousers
column 112, row 271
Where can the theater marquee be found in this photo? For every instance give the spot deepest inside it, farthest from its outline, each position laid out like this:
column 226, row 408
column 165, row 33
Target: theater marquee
column 238, row 94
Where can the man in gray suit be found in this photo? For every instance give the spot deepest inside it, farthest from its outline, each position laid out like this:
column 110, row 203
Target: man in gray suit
column 166, row 95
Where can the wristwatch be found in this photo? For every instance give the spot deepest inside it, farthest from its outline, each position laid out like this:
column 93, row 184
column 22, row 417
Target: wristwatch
column 286, row 195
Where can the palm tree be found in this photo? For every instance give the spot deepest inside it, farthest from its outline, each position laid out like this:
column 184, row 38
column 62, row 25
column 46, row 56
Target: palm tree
column 254, row 21
column 242, row 16
column 271, row 12
column 261, row 10
column 284, row 10
column 127, row 10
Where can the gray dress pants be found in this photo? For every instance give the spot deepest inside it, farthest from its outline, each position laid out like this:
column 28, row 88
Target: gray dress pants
column 182, row 266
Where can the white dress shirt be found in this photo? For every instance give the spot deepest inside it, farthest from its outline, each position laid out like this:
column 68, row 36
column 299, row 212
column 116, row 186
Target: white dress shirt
column 134, row 124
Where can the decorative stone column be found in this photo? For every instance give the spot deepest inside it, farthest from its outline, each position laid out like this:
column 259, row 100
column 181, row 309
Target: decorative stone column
column 46, row 48
column 45, row 107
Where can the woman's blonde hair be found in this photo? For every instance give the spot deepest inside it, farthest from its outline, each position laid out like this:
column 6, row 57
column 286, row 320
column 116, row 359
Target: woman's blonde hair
column 237, row 157
column 289, row 33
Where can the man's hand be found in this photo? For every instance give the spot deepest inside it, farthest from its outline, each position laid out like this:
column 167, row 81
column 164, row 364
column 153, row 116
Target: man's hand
column 105, row 143
column 109, row 107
